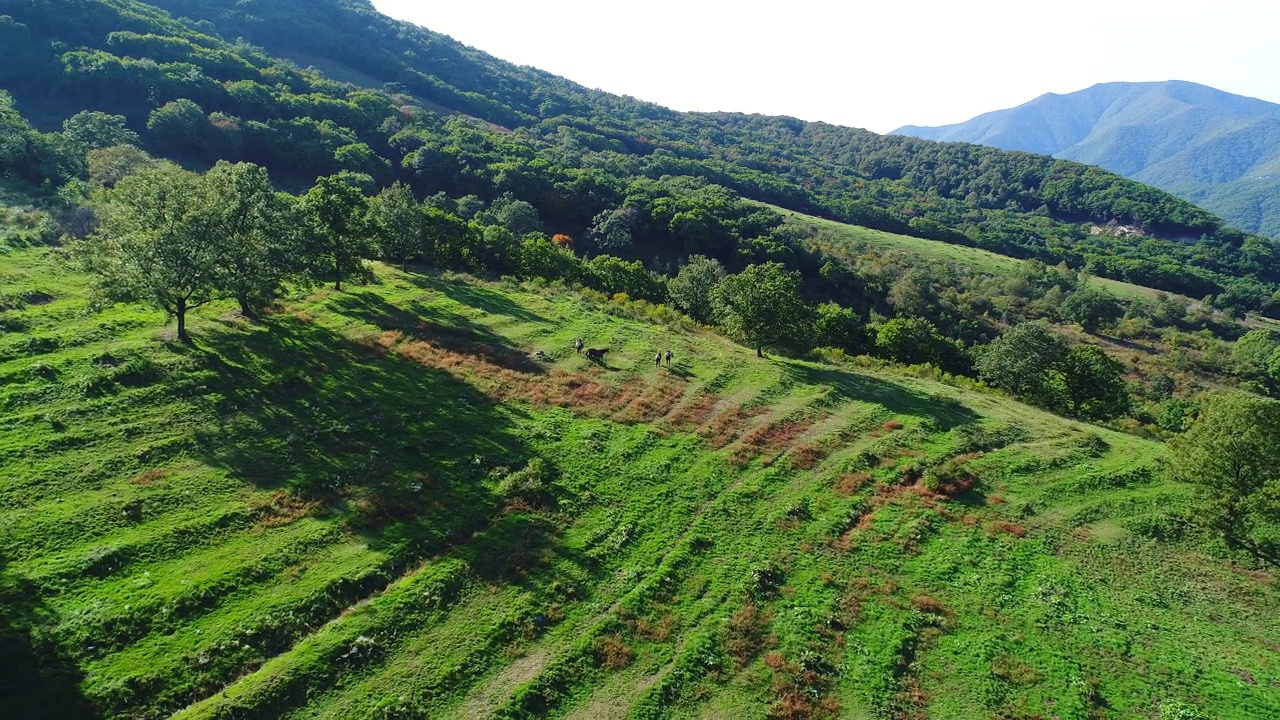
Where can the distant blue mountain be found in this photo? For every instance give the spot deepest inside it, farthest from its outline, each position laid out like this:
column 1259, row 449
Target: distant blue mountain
column 1216, row 149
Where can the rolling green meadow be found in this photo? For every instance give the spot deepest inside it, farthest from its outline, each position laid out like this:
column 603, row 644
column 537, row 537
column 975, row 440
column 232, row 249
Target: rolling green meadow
column 382, row 502
column 964, row 256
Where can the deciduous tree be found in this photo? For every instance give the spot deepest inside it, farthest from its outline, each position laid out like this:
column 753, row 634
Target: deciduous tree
column 255, row 248
column 447, row 239
column 153, row 243
column 615, row 275
column 399, row 224
column 1231, row 452
column 839, row 327
column 912, row 341
column 1020, row 359
column 762, row 306
column 1091, row 308
column 93, row 130
column 180, row 125
column 338, row 231
column 690, row 290
column 1092, row 383
column 108, row 165
column 1253, row 351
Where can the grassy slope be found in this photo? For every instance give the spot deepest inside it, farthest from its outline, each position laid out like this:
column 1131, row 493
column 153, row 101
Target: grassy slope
column 976, row 259
column 307, row 516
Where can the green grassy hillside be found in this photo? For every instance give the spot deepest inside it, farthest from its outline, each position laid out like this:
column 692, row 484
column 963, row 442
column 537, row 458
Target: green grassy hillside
column 380, row 502
column 962, row 256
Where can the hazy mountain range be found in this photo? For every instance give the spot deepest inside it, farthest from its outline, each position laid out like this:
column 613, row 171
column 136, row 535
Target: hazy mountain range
column 1219, row 150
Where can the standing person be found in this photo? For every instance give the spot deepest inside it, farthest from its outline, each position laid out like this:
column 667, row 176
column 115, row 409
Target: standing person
column 668, row 358
column 577, row 345
column 657, row 359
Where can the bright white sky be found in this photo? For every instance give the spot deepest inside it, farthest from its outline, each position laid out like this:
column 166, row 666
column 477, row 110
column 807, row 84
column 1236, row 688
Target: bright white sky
column 878, row 64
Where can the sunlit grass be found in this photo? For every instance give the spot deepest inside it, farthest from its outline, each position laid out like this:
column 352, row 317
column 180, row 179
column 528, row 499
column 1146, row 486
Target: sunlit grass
column 380, row 501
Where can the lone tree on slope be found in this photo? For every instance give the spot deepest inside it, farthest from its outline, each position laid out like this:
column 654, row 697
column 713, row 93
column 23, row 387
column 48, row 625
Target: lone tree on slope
column 762, row 306
column 154, row 242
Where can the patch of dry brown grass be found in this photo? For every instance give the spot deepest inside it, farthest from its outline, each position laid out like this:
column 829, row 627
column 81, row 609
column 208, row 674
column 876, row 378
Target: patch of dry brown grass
column 1011, row 528
column 805, row 456
column 655, row 630
column 850, row 483
column 508, row 376
column 722, row 429
column 747, row 633
column 281, row 509
column 654, row 402
column 612, row 652
column 692, row 412
column 769, row 439
column 147, row 478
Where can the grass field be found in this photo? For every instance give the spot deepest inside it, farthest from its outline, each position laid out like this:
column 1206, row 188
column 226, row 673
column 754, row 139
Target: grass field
column 976, row 259
column 379, row 503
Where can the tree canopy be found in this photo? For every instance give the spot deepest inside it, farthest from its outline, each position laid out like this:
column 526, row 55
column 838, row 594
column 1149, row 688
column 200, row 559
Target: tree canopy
column 575, row 156
column 154, row 242
column 691, row 288
column 762, row 306
column 338, row 230
column 1020, row 359
column 1230, row 452
column 1092, row 383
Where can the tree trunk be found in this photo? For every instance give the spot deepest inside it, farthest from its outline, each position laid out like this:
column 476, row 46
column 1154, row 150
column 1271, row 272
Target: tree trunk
column 181, row 312
column 246, row 308
column 759, row 351
column 337, row 272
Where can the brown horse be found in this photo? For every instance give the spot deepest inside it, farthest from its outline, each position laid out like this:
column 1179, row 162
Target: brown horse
column 596, row 354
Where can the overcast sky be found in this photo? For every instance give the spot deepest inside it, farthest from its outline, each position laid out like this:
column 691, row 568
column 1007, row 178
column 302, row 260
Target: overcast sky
column 877, row 65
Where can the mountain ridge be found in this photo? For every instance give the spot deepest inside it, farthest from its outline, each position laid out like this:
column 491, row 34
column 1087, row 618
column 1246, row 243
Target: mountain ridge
column 1203, row 144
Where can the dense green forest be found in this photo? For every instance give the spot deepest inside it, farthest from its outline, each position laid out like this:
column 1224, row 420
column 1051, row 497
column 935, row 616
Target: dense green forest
column 212, row 85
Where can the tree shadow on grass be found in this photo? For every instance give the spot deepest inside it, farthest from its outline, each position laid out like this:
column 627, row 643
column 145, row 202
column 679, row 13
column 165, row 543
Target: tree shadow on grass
column 37, row 680
column 851, row 385
column 448, row 330
column 408, row 457
column 490, row 301
column 400, row 451
column 679, row 371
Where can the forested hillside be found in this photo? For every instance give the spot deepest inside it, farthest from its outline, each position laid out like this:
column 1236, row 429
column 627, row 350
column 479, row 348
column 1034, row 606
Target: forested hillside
column 193, row 90
column 1219, row 150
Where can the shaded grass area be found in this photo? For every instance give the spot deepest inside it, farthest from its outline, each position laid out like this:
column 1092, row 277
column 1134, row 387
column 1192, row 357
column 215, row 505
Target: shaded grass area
column 379, row 502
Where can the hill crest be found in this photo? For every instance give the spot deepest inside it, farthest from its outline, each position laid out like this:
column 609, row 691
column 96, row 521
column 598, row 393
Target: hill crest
column 1203, row 144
